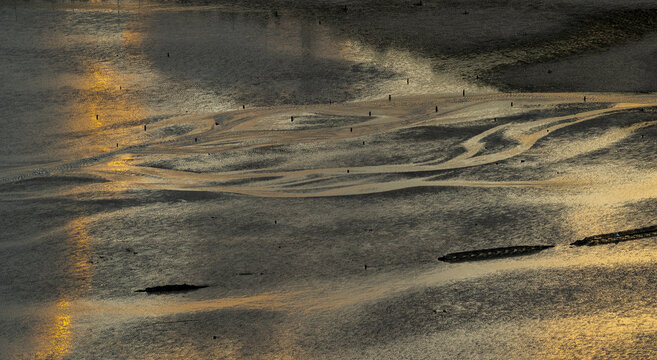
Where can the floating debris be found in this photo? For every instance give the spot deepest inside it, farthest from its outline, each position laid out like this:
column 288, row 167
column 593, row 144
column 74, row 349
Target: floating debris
column 495, row 253
column 171, row 288
column 616, row 237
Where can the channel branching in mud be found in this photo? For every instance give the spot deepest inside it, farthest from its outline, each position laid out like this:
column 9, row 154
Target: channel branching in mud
column 616, row 237
column 494, row 253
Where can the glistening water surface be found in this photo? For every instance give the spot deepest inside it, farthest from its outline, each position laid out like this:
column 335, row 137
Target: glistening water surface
column 255, row 150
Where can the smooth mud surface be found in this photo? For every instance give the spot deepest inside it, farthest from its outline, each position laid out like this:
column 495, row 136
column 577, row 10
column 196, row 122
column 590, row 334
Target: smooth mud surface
column 193, row 219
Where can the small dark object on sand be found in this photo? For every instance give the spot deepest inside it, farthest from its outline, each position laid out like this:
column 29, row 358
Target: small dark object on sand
column 291, row 118
column 389, row 97
column 495, row 253
column 347, row 171
column 522, row 161
column 214, row 337
column 549, row 71
column 245, row 273
column 168, row 55
column 511, row 103
column 216, row 123
column 616, row 237
column 466, row 12
column 144, row 127
column 363, row 142
column 436, row 108
column 171, row 288
column 117, row 144
column 365, row 266
column 408, row 81
column 370, row 113
column 243, row 107
column 351, row 129
column 463, row 92
column 418, row 3
column 584, row 98
column 275, row 222
column 195, row 139
column 96, row 116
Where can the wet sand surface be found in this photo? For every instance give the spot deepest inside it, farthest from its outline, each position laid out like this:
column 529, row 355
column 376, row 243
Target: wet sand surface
column 317, row 225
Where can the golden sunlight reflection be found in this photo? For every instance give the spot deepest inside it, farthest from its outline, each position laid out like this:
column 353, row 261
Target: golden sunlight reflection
column 596, row 336
column 57, row 339
column 106, row 97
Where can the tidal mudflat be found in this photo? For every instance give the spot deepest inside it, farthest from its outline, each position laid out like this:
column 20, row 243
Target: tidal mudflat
column 327, row 180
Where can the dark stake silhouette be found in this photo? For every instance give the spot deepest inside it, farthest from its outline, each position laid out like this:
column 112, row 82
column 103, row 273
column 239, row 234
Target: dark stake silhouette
column 351, row 129
column 144, row 127
column 370, row 113
column 275, row 222
column 195, row 139
column 364, row 141
column 408, row 81
column 436, row 108
column 96, row 116
column 463, row 92
column 117, row 144
column 365, row 266
column 168, row 55
column 389, row 97
column 243, row 107
column 347, row 171
column 291, row 118
column 584, row 98
column 511, row 103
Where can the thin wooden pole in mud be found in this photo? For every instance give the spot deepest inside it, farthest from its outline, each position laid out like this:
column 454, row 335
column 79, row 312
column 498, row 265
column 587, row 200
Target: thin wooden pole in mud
column 144, row 127
column 96, row 116
column 464, row 92
column 436, row 108
column 584, row 98
column 511, row 103
column 168, row 55
column 243, row 107
column 370, row 113
column 389, row 97
column 195, row 139
column 408, row 81
column 351, row 129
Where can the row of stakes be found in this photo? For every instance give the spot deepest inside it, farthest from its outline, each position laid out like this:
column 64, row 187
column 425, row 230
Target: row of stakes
column 350, row 129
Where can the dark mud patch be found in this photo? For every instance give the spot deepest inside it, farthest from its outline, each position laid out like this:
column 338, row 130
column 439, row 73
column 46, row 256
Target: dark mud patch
column 50, row 181
column 495, row 253
column 616, row 237
column 165, row 289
